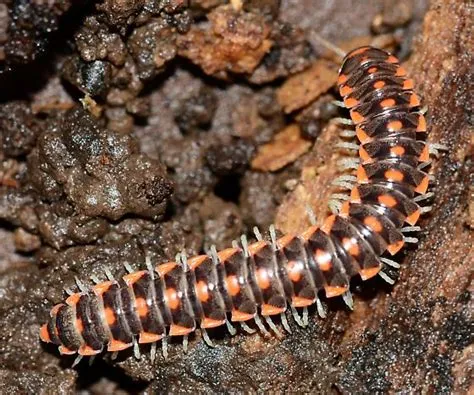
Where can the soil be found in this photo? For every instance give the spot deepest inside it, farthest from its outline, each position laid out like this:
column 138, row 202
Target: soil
column 146, row 128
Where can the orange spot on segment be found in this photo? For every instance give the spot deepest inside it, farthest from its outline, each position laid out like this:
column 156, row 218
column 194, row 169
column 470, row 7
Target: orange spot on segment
column 172, row 298
column 224, row 255
column 132, row 278
column 141, row 307
column 364, row 155
column 147, row 337
column 398, row 150
column 345, row 90
column 342, row 79
column 308, row 233
column 356, row 117
column 421, row 124
column 332, row 291
column 379, row 84
column 196, row 261
column 370, row 272
column 63, row 350
column 238, row 316
column 117, row 345
column 99, row 289
column 357, row 51
column 401, row 72
column 425, row 154
column 362, row 174
column 387, row 103
column 88, row 351
column 387, row 201
column 285, row 240
column 344, row 211
column 355, row 195
column 372, row 70
column 395, row 247
column 328, row 224
column 268, row 309
column 294, row 269
column 412, row 219
column 394, row 175
column 211, row 323
column 73, row 299
column 351, row 102
column 263, row 279
column 362, row 136
column 178, row 330
column 373, row 223
column 323, row 259
column 233, row 286
column 165, row 268
column 351, row 246
column 414, row 100
column 298, row 301
column 393, row 126
column 256, row 247
column 109, row 316
column 392, row 59
column 44, row 334
column 79, row 325
column 202, row 291
column 55, row 309
column 408, row 84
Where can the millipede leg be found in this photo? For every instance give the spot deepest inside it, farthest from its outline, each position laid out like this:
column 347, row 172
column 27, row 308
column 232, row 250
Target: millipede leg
column 272, row 326
column 246, row 328
column 296, row 316
column 320, row 308
column 284, row 322
column 206, row 338
column 77, row 360
column 114, row 356
column 305, row 316
column 164, row 347
column 260, row 325
column 185, row 343
column 149, row 267
column 82, row 287
column 311, row 215
column 109, row 274
column 386, row 278
column 257, row 233
column 136, row 349
column 347, row 298
column 153, row 352
column 128, row 268
column 95, row 279
column 390, row 262
column 68, row 290
column 230, row 328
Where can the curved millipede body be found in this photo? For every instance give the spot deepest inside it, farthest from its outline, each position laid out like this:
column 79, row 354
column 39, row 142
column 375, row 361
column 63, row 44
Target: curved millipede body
column 264, row 278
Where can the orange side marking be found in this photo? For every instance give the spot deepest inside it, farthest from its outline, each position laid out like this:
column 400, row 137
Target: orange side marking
column 294, row 271
column 408, row 84
column 351, row 102
column 226, row 254
column 398, row 150
column 328, row 224
column 73, row 299
column 351, row 246
column 355, row 195
column 109, row 316
column 401, row 72
column 372, row 70
column 356, row 117
column 297, row 301
column 211, row 323
column 370, row 272
column 117, row 345
column 357, row 51
column 345, row 90
column 254, row 248
column 285, row 240
column 263, row 280
column 392, row 59
column 323, row 259
column 147, row 337
column 196, row 261
column 414, row 100
column 232, row 284
column 421, row 124
column 342, row 79
column 422, row 187
column 373, row 223
column 394, row 175
column 364, row 155
column 63, row 350
column 394, row 125
column 362, row 175
column 202, row 291
column 99, row 289
column 132, row 278
column 379, row 84
column 88, row 351
column 79, row 325
column 141, row 307
column 395, row 247
column 44, row 334
column 164, row 268
column 425, row 154
column 55, row 309
column 178, row 330
column 413, row 218
column 362, row 136
column 308, row 233
column 387, row 200
column 387, row 103
column 172, row 298
column 344, row 211
column 238, row 316
column 331, row 292
column 268, row 309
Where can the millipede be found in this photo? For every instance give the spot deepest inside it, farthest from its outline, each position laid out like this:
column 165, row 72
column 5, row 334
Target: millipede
column 257, row 281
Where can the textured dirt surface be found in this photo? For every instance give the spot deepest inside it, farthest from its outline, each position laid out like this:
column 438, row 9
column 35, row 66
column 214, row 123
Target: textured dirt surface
column 132, row 128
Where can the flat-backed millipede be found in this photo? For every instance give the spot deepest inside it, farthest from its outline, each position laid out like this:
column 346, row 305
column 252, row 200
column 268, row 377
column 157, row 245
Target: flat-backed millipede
column 264, row 278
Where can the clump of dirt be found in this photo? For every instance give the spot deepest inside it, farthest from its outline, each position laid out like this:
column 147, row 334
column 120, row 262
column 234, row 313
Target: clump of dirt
column 134, row 129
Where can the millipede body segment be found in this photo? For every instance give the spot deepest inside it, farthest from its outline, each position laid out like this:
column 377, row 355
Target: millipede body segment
column 264, row 278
